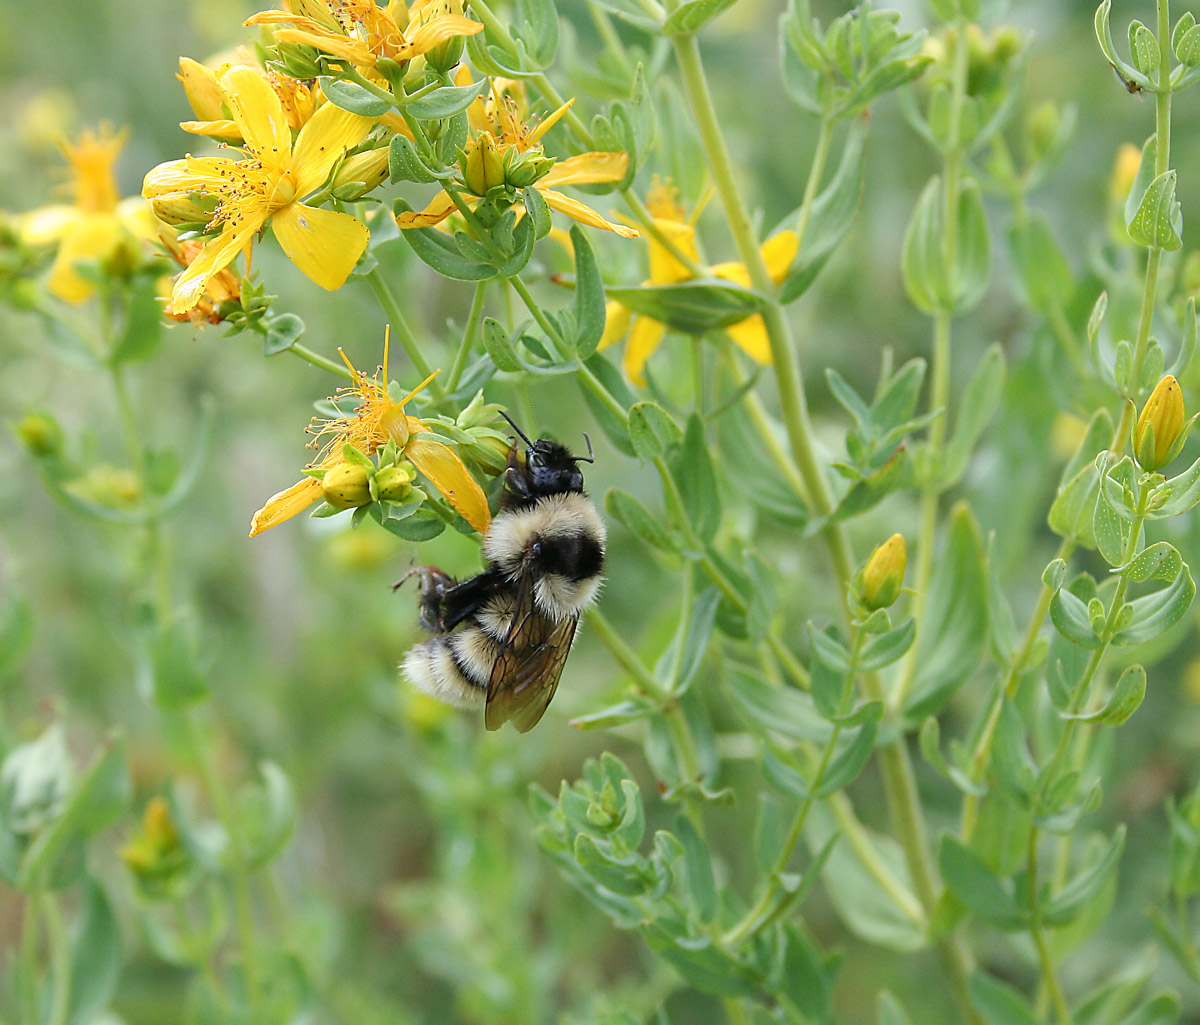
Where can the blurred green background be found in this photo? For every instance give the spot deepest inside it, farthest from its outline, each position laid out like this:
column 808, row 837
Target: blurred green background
column 419, row 893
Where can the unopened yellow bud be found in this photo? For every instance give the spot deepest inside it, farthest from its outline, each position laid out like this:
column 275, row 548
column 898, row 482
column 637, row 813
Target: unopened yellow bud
column 179, row 208
column 347, row 486
column 884, row 573
column 1159, row 432
column 482, row 164
column 156, row 856
column 489, row 449
column 360, row 174
column 40, row 433
column 394, row 483
column 204, row 92
column 521, row 169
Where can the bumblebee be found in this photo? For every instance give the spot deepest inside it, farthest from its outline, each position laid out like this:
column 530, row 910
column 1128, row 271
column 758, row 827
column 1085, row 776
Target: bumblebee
column 502, row 637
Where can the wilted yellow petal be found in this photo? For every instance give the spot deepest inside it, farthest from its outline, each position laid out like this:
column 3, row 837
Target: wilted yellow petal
column 439, row 208
column 440, row 463
column 587, row 169
column 644, row 338
column 324, row 244
column 584, row 214
column 285, row 505
column 616, row 323
column 779, row 251
column 751, row 335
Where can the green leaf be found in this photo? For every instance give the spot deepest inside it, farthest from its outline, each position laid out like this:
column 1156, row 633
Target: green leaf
column 884, row 650
column 1015, row 768
column 1158, row 222
column 1125, row 700
column 931, row 283
column 615, row 428
column 830, row 218
column 1073, row 899
column 1156, row 613
column 538, row 210
column 890, row 1011
column 418, row 525
column 143, row 327
column 1187, row 49
column 697, row 479
column 652, row 430
column 783, row 710
column 439, row 250
column 283, row 331
column 1164, row 1009
column 1042, row 270
column 1070, row 618
column 177, row 680
column 692, row 307
column 499, row 346
column 851, row 760
column 979, row 403
column 445, row 102
column 701, row 888
column 1161, row 561
column 954, row 633
column 405, row 164
column 1111, row 523
column 1143, row 48
column 615, row 715
column 353, row 97
column 589, row 295
column 95, row 958
column 980, row 890
column 998, row 1002
column 267, row 814
column 694, row 15
column 1184, row 494
column 806, row 982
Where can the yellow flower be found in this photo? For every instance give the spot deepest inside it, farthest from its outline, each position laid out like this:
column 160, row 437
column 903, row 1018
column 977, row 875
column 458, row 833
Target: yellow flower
column 362, row 33
column 376, row 420
column 98, row 225
column 269, row 183
column 504, row 139
column 646, row 334
column 202, row 85
column 222, row 287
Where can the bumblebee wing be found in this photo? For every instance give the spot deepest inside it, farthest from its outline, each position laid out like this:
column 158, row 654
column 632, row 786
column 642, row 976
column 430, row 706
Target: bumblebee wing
column 525, row 676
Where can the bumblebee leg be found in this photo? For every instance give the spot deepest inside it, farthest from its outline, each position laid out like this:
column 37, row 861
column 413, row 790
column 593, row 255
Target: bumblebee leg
column 433, row 585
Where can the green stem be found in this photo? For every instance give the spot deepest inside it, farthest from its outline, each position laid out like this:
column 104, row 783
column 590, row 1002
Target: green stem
column 468, row 339
column 27, row 960
column 391, row 309
column 60, row 958
column 317, row 360
column 626, row 657
column 1049, row 973
column 239, row 867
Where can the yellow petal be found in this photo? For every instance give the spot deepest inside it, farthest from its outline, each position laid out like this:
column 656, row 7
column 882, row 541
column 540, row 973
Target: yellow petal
column 137, row 218
column 664, row 268
column 91, row 238
column 588, row 169
column 49, row 224
column 285, row 505
column 735, row 272
column 330, row 42
column 203, row 91
column 616, row 323
column 549, row 121
column 324, row 244
column 440, row 463
column 439, row 208
column 779, row 251
column 439, row 31
column 192, row 174
column 584, row 214
column 215, row 256
column 751, row 335
column 220, row 129
column 645, row 337
column 258, row 113
column 329, row 133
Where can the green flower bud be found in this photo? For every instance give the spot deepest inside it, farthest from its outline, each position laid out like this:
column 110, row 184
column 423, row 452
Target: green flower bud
column 1162, row 428
column 489, row 449
column 360, row 174
column 884, row 573
column 394, row 483
column 347, row 486
column 1043, row 127
column 299, row 61
column 191, row 208
column 482, row 164
column 40, row 433
column 521, row 169
column 156, row 857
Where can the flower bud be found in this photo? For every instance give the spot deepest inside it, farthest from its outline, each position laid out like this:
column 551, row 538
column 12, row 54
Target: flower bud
column 204, row 93
column 1043, row 127
column 482, row 164
column 489, row 450
column 1161, row 430
column 177, row 208
column 360, row 174
column 347, row 486
column 40, row 433
column 394, row 483
column 156, row 856
column 884, row 573
column 521, row 169
column 299, row 61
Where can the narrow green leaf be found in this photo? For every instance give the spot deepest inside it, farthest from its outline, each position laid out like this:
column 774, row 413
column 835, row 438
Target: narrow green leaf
column 446, row 101
column 1070, row 618
column 95, row 958
column 499, row 346
column 589, row 295
column 697, row 870
column 889, row 647
column 998, row 1002
column 849, row 762
column 692, row 307
column 439, row 250
column 694, row 15
column 1156, row 613
column 353, row 97
column 979, row 403
column 405, row 164
column 1071, row 901
column 983, row 893
column 1184, row 494
column 630, row 512
column 1161, row 561
column 697, row 480
column 651, row 430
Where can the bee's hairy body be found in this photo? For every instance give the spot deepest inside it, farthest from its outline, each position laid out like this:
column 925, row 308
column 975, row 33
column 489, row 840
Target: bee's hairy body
column 501, row 637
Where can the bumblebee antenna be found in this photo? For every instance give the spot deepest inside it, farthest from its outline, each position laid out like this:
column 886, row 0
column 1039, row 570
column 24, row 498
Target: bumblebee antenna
column 590, row 457
column 520, row 432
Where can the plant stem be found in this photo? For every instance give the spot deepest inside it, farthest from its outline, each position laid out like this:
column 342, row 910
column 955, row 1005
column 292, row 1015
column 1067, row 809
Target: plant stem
column 468, row 339
column 60, row 957
column 391, row 309
column 317, row 360
column 27, row 960
column 626, row 657
column 1049, row 973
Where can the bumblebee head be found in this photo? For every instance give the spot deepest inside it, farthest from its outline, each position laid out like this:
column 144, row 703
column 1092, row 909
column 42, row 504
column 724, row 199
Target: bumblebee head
column 547, row 468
